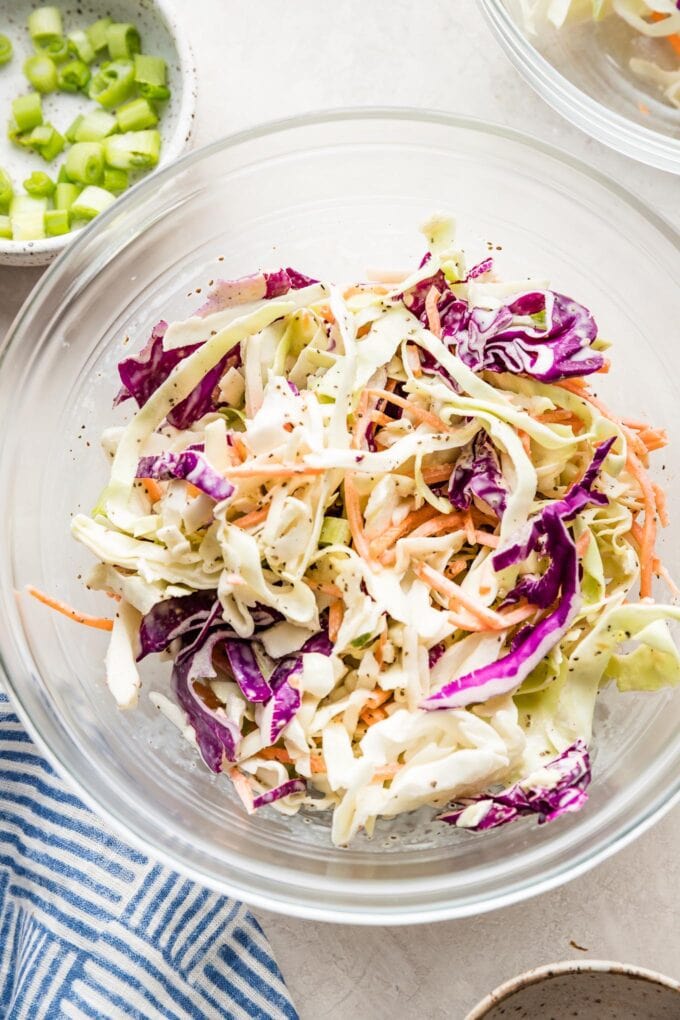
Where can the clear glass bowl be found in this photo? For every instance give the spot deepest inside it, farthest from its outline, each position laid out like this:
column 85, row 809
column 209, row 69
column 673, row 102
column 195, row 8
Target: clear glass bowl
column 582, row 70
column 332, row 195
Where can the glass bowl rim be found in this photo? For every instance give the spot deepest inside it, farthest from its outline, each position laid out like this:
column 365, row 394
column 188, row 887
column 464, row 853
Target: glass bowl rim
column 589, row 115
column 291, row 902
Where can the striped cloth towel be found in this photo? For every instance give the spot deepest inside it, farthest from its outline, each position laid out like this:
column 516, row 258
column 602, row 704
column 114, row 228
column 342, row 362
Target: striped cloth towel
column 91, row 928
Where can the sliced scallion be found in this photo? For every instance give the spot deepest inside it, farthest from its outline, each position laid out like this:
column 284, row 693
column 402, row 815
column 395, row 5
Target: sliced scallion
column 6, row 190
column 90, row 202
column 113, row 83
column 73, row 76
column 56, row 222
column 39, row 184
column 151, row 76
column 45, row 25
column 94, row 126
column 122, row 39
column 56, row 49
column 65, row 195
column 46, row 140
column 115, row 180
column 134, row 150
column 136, row 115
column 80, row 46
column 85, row 162
column 41, row 72
column 5, row 227
column 27, row 112
column 96, row 33
column 6, row 49
column 71, row 130
column 28, row 217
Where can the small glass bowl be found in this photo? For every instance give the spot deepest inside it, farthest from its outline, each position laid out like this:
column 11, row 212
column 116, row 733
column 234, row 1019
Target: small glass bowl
column 332, row 195
column 582, row 70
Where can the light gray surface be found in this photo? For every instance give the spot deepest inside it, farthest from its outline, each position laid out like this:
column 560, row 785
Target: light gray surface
column 263, row 60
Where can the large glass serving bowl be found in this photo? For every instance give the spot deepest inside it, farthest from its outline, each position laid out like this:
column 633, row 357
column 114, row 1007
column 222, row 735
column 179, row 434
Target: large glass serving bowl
column 332, row 195
column 583, row 70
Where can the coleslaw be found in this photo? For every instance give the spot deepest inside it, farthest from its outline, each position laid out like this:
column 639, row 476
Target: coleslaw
column 653, row 19
column 388, row 538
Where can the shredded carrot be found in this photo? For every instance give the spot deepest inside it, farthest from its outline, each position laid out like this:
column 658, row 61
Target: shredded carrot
column 419, row 413
column 458, row 596
column 414, row 360
column 365, row 288
column 251, row 519
column 370, row 716
column 469, row 528
column 648, row 538
column 661, row 505
column 335, row 617
column 582, row 543
column 455, row 567
column 324, row 312
column 674, row 38
column 432, row 312
column 112, row 595
column 439, row 473
column 380, row 418
column 355, row 519
column 325, row 587
column 525, row 439
column 605, row 367
column 397, row 531
column 243, row 789
column 378, row 697
column 239, row 447
column 153, row 489
column 316, row 762
column 275, row 754
column 385, row 772
column 98, row 622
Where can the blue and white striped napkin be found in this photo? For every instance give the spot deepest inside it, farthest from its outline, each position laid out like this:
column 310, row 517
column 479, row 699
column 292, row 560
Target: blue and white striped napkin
column 91, row 928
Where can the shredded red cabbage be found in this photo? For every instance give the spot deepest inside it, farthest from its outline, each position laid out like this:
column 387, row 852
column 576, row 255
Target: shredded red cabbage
column 569, row 775
column 478, row 474
column 191, row 466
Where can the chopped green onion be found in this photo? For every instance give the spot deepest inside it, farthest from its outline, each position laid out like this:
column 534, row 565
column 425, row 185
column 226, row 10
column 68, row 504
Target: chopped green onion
column 151, row 76
column 27, row 111
column 74, row 76
column 56, row 222
column 56, row 49
column 96, row 33
column 45, row 25
column 113, row 83
column 6, row 49
column 6, row 190
column 135, row 150
column 5, row 227
column 65, row 195
column 92, row 127
column 47, row 140
column 28, row 218
column 39, row 184
column 71, row 130
column 41, row 71
column 90, row 202
column 115, row 180
column 85, row 162
column 62, row 176
column 334, row 531
column 136, row 115
column 80, row 45
column 122, row 39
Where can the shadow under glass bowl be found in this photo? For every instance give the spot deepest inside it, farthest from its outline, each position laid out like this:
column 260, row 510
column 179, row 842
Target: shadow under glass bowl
column 582, row 70
column 330, row 194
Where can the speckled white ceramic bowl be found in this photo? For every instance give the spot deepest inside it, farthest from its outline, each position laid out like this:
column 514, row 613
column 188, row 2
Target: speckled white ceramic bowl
column 583, row 990
column 161, row 35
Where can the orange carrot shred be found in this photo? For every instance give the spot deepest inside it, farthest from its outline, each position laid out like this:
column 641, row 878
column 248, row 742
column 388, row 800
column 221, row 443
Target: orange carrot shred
column 250, row 520
column 98, row 622
column 335, row 617
column 153, row 489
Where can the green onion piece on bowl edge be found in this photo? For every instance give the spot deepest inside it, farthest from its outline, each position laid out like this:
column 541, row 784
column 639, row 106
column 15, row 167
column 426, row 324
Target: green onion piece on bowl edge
column 65, row 195
column 151, row 76
column 56, row 222
column 28, row 218
column 6, row 190
column 5, row 228
column 115, row 180
column 136, row 115
column 90, row 202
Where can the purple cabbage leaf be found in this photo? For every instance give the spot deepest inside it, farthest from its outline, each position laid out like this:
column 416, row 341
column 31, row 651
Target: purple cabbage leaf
column 217, row 736
column 478, row 473
column 190, row 466
column 546, row 533
column 558, row 788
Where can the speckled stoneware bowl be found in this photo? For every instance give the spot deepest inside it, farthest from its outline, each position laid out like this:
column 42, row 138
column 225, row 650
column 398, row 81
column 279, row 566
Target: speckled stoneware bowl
column 580, row 990
column 161, row 35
